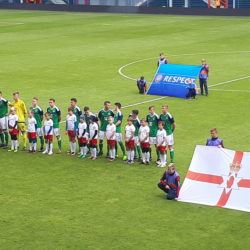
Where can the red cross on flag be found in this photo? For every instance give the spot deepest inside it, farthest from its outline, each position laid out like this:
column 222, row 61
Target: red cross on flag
column 218, row 177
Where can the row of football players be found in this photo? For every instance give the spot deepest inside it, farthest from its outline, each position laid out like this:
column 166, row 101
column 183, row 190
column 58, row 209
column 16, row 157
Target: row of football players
column 139, row 135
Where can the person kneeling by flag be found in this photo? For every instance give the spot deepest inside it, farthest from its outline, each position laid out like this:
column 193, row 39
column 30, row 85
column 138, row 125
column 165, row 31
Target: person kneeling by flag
column 142, row 85
column 170, row 182
column 192, row 91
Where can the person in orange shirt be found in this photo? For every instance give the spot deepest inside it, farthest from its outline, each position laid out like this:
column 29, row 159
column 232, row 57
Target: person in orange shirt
column 22, row 114
column 203, row 76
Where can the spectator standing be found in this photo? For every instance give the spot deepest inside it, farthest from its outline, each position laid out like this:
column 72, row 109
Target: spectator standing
column 218, row 4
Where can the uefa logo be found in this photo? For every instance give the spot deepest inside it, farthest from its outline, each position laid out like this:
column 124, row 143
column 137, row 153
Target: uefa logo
column 158, row 78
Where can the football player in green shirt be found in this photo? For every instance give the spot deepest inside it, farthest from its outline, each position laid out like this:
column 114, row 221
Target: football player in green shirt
column 137, row 124
column 76, row 110
column 103, row 116
column 88, row 115
column 118, row 117
column 55, row 113
column 169, row 126
column 152, row 120
column 4, row 137
column 38, row 115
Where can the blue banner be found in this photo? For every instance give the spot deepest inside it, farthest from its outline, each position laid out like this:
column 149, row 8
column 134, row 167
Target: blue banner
column 174, row 80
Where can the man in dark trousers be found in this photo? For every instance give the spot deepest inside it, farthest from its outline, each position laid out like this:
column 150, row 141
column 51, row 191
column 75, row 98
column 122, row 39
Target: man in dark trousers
column 203, row 77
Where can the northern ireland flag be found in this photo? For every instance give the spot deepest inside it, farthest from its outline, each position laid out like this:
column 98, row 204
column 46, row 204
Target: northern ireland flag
column 218, row 177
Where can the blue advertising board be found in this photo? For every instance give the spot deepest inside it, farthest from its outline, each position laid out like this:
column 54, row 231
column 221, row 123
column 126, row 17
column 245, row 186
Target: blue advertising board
column 174, row 80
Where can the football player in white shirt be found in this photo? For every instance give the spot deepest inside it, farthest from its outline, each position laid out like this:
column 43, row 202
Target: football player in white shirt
column 161, row 140
column 32, row 132
column 130, row 140
column 93, row 137
column 144, row 141
column 12, row 125
column 71, row 128
column 48, row 133
column 83, row 137
column 111, row 138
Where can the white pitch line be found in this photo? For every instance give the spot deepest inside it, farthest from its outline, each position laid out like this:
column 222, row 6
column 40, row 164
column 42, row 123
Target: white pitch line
column 213, row 85
column 185, row 54
column 124, row 66
column 9, row 24
column 231, row 90
column 138, row 103
column 162, row 97
column 230, row 81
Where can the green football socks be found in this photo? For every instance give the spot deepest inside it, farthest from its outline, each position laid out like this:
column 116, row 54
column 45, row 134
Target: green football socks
column 122, row 148
column 59, row 142
column 2, row 138
column 157, row 153
column 138, row 149
column 101, row 146
column 41, row 141
column 172, row 155
column 6, row 137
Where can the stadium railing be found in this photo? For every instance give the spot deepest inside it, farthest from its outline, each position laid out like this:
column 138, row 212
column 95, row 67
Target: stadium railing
column 231, row 4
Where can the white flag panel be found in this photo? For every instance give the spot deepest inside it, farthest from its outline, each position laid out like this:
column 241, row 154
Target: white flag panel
column 218, row 177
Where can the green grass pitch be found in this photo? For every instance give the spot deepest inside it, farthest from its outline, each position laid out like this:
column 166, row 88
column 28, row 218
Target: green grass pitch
column 61, row 202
